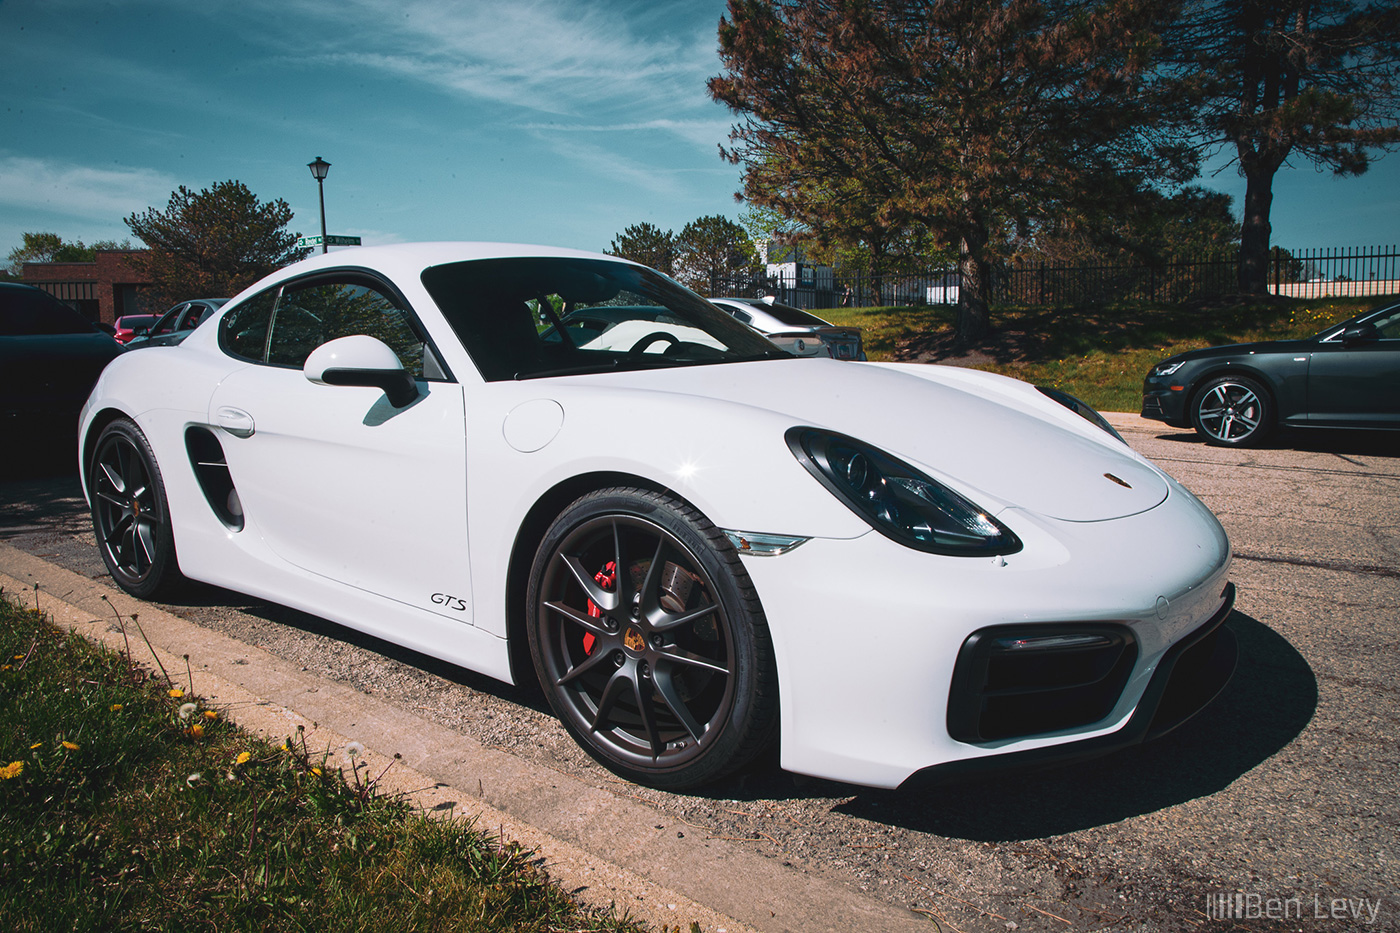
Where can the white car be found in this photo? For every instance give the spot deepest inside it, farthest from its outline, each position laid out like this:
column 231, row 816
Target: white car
column 698, row 544
column 799, row 332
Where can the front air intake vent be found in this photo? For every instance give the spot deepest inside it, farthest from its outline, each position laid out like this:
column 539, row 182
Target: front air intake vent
column 1016, row 681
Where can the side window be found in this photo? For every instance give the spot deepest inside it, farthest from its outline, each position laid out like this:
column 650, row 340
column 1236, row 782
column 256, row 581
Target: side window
column 168, row 323
column 243, row 331
column 310, row 315
column 1388, row 327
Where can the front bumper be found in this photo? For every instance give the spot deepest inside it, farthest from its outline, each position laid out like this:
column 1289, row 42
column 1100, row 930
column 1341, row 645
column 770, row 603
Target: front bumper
column 868, row 634
column 1164, row 399
column 1192, row 673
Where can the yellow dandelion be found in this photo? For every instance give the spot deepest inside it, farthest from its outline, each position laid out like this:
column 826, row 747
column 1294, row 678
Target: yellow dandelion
column 71, row 746
column 196, row 731
column 116, row 707
column 19, row 657
column 36, row 745
column 175, row 693
column 12, row 770
column 211, row 714
column 243, row 758
column 316, row 771
column 5, row 668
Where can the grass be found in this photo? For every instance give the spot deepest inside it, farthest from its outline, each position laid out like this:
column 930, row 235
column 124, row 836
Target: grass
column 125, row 804
column 1098, row 353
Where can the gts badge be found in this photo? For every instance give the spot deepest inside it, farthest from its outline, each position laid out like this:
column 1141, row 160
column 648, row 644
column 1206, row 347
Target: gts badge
column 455, row 603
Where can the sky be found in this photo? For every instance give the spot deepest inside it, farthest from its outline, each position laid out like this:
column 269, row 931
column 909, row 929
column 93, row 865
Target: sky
column 557, row 122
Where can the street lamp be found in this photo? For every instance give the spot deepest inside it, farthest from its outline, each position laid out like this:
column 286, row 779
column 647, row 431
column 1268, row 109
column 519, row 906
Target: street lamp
column 319, row 169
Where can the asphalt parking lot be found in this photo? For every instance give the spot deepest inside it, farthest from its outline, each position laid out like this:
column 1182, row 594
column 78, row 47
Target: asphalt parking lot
column 1277, row 808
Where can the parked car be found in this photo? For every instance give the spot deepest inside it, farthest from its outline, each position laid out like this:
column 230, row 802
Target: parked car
column 129, row 325
column 1347, row 376
column 799, row 332
column 174, row 325
column 50, row 356
column 687, row 536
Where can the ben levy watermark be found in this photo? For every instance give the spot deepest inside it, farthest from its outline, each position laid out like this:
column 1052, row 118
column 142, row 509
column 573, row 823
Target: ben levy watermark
column 1237, row 905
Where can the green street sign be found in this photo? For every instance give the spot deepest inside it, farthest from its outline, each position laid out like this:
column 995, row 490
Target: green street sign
column 305, row 241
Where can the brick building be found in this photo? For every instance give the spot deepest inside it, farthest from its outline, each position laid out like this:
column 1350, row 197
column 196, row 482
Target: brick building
column 102, row 290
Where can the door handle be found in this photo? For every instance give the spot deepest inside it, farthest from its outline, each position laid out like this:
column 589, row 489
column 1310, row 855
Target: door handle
column 235, row 421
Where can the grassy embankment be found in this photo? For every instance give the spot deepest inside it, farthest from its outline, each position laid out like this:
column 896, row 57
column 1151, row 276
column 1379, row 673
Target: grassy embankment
column 128, row 804
column 1101, row 353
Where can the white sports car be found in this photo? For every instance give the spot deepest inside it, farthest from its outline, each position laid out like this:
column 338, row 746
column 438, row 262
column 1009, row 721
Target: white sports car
column 699, row 545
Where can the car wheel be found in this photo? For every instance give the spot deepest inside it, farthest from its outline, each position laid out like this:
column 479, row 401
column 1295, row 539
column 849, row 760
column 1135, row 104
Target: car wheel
column 649, row 640
column 130, row 515
column 1233, row 411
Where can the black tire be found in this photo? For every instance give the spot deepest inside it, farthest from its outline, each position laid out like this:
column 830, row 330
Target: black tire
column 672, row 683
column 130, row 514
column 1233, row 411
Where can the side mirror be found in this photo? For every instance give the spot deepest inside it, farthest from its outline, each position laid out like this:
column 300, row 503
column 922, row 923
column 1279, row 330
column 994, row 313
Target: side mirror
column 361, row 360
column 1358, row 333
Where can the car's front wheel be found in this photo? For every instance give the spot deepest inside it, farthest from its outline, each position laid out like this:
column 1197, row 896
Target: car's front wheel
column 1233, row 411
column 649, row 640
column 130, row 514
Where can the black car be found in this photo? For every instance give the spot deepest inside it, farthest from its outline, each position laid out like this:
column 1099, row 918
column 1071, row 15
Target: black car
column 175, row 325
column 50, row 356
column 1348, row 376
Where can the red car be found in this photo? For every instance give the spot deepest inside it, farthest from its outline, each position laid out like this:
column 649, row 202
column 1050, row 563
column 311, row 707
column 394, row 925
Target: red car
column 128, row 325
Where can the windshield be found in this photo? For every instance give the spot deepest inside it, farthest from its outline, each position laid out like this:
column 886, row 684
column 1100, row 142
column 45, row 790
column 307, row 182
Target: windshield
column 529, row 318
column 790, row 315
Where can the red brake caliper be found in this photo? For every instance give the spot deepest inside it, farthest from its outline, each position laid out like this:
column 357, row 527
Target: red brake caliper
column 605, row 578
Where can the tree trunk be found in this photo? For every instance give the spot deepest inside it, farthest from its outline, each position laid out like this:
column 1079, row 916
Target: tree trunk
column 1255, row 231
column 974, row 291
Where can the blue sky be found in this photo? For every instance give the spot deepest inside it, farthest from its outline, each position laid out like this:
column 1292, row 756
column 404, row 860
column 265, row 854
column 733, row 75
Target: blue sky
column 545, row 122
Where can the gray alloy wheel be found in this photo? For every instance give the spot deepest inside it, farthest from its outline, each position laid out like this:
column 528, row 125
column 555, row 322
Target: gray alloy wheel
column 1233, row 411
column 649, row 641
column 130, row 515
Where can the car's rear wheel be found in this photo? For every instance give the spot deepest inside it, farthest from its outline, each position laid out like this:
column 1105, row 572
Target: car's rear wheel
column 1233, row 411
column 130, row 514
column 649, row 640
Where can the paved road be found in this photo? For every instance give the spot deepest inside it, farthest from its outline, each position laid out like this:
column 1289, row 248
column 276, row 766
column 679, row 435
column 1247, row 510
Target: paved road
column 1283, row 793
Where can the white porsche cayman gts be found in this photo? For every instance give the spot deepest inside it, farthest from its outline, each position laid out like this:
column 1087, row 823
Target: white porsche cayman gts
column 545, row 463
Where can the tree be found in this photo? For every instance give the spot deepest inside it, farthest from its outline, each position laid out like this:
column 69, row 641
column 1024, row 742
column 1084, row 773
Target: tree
column 965, row 118
column 712, row 252
column 50, row 247
column 1193, row 224
column 648, row 245
column 215, row 242
column 1274, row 79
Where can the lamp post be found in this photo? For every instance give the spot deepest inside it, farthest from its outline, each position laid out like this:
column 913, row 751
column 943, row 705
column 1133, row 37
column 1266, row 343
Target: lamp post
column 319, row 169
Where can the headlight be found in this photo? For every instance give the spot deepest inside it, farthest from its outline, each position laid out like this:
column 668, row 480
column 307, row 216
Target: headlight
column 1166, row 369
column 1081, row 409
column 897, row 500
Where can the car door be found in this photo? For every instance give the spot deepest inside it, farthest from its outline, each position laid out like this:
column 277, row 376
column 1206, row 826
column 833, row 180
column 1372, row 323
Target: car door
column 335, row 479
column 1358, row 382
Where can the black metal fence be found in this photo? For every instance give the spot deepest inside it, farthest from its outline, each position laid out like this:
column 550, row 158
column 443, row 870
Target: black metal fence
column 1321, row 273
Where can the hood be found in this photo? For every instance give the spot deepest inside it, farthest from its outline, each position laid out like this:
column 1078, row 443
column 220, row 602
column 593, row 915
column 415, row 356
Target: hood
column 1002, row 443
column 1246, row 349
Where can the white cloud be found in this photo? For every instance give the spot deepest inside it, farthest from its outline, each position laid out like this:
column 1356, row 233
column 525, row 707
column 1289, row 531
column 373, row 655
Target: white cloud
column 552, row 57
column 699, row 132
column 80, row 190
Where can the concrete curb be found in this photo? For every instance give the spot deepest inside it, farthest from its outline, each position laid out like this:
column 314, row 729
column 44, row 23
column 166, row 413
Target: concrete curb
column 604, row 847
